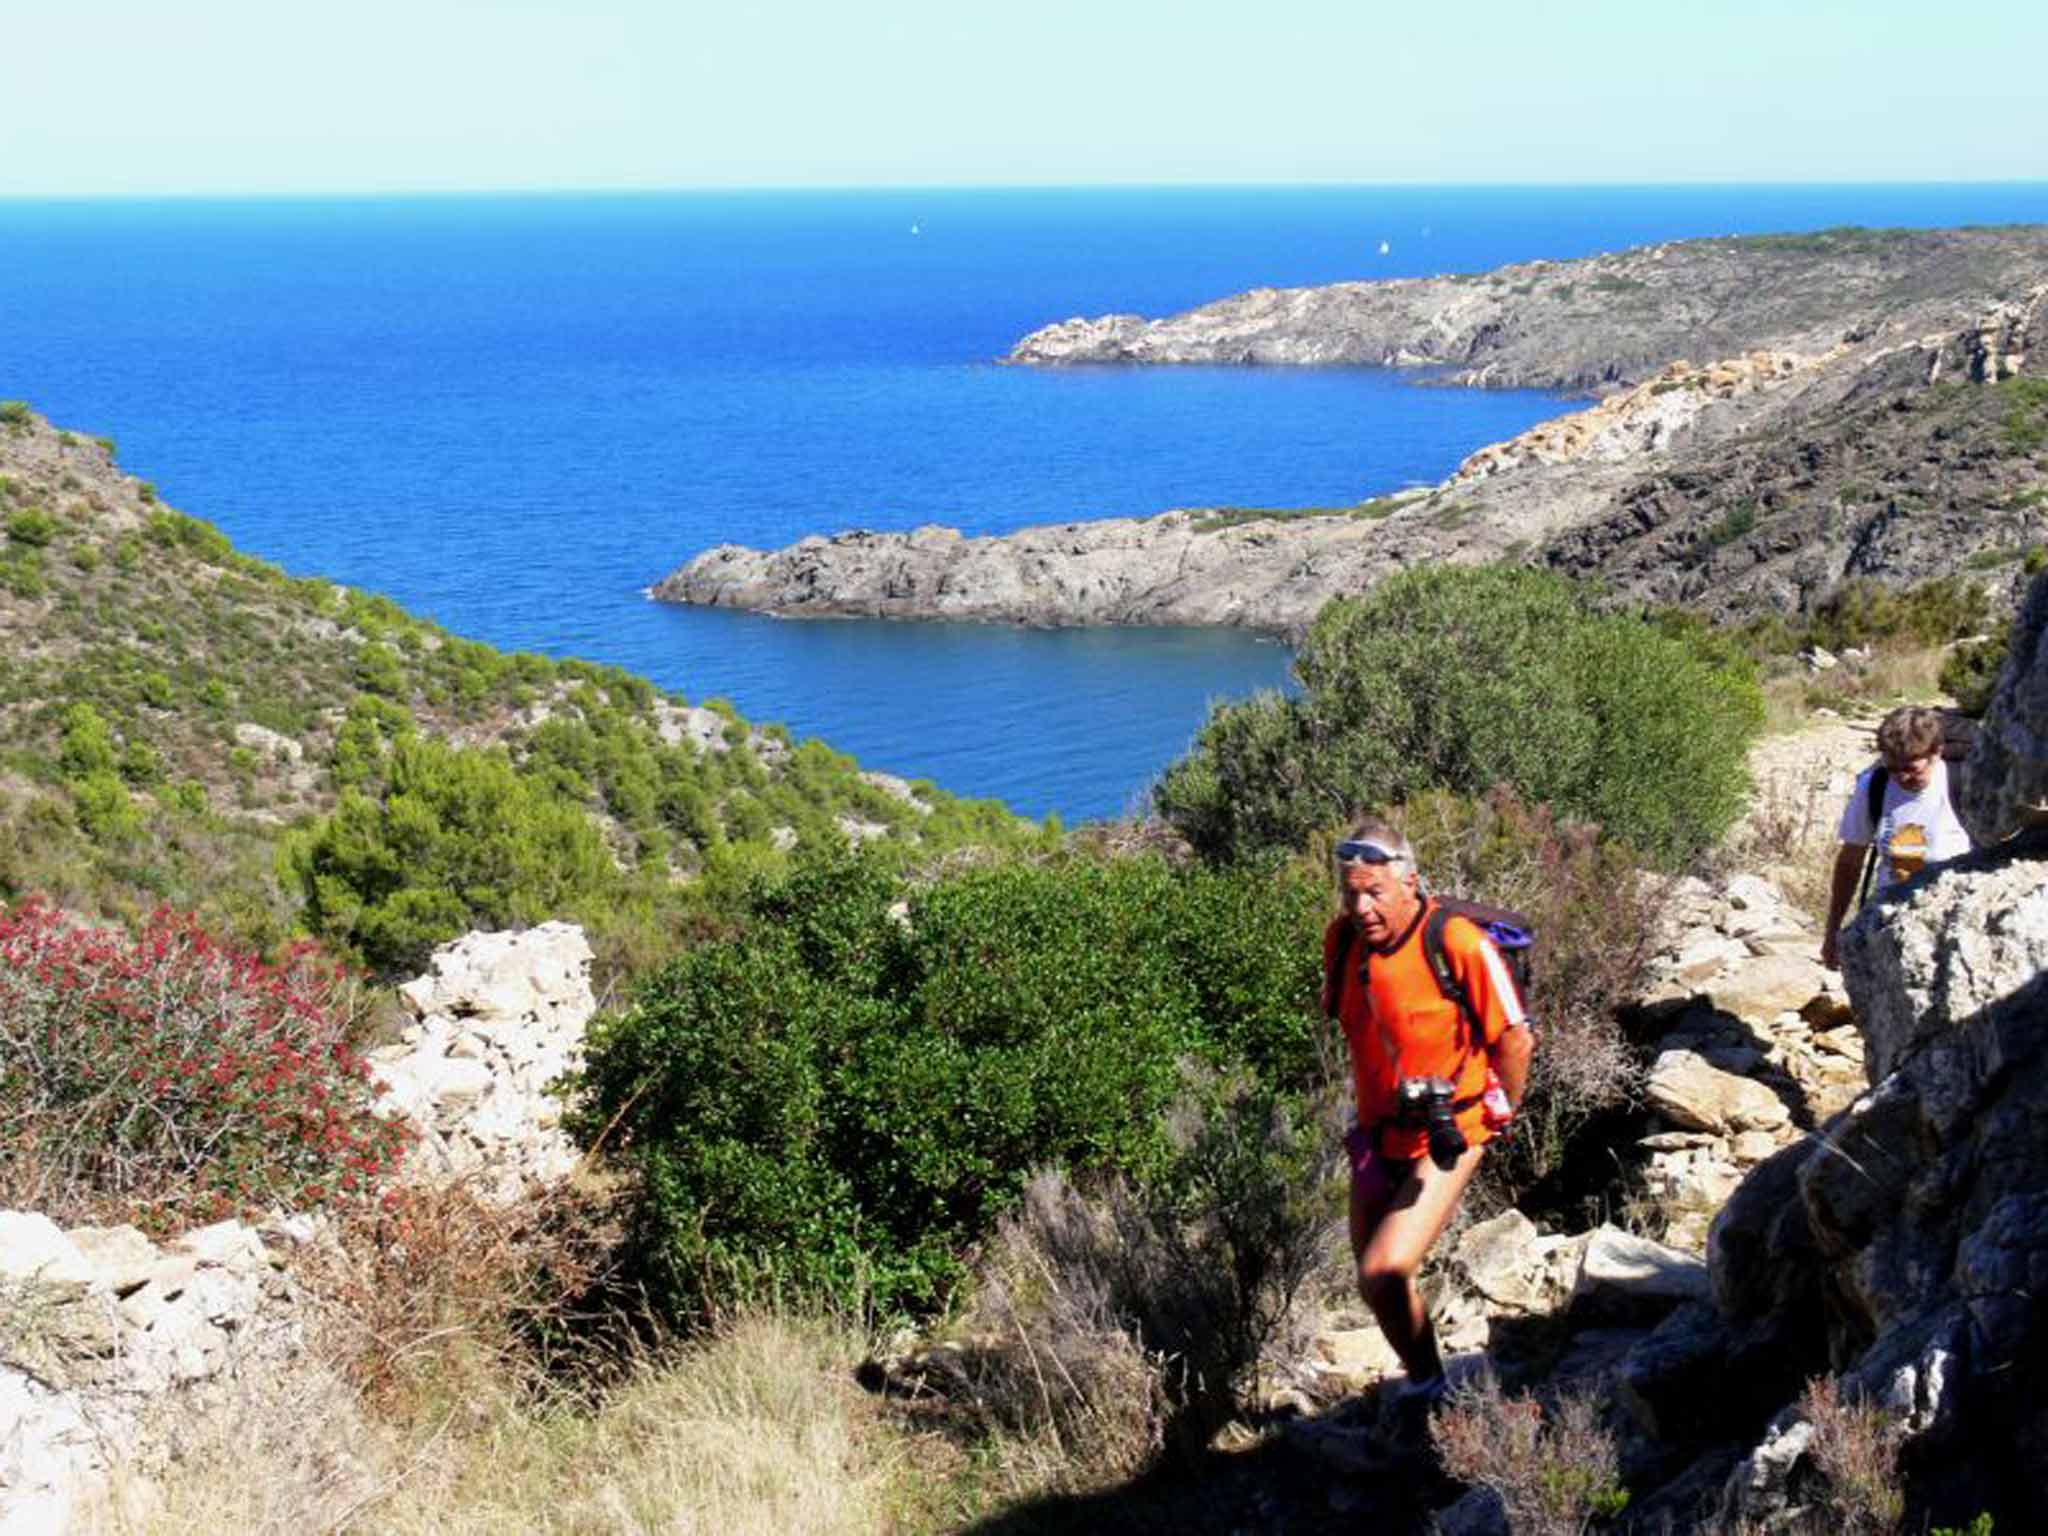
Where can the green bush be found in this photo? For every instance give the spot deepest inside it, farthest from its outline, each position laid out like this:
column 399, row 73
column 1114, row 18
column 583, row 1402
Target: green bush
column 15, row 415
column 452, row 840
column 31, row 526
column 87, row 746
column 1970, row 673
column 1861, row 612
column 1463, row 679
column 837, row 1103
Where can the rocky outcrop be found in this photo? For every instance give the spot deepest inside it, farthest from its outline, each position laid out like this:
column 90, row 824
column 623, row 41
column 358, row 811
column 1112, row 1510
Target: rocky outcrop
column 2007, row 787
column 1905, row 1246
column 497, row 1019
column 1598, row 322
column 1883, row 448
column 1641, row 420
column 1176, row 568
column 99, row 1326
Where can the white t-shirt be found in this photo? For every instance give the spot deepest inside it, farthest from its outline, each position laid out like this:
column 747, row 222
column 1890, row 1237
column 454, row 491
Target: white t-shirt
column 1913, row 830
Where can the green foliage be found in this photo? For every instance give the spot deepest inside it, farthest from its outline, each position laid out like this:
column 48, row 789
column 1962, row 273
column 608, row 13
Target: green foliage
column 88, row 746
column 2026, row 412
column 836, row 1102
column 106, row 811
column 15, row 415
column 1739, row 519
column 1970, row 672
column 22, row 573
column 1861, row 612
column 178, row 531
column 31, row 526
column 1461, row 679
column 453, row 840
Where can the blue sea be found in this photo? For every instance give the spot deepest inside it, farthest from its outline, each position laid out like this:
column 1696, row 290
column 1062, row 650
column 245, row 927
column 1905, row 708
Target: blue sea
column 515, row 413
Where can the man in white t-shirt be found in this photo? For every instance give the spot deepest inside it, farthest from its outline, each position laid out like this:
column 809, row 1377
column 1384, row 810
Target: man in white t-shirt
column 1915, row 824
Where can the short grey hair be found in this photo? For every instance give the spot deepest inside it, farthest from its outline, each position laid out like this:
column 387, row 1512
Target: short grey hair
column 1370, row 829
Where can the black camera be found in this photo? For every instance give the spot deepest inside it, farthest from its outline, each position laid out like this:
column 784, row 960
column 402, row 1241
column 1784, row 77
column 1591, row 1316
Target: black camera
column 1424, row 1103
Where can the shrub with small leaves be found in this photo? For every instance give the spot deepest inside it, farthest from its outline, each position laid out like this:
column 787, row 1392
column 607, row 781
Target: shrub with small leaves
column 165, row 1079
column 31, row 526
column 1553, row 1465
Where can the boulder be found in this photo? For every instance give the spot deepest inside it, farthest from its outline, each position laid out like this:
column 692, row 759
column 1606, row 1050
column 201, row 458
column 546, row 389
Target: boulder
column 1630, row 1276
column 121, row 1257
column 1762, row 987
column 1943, row 967
column 1672, row 1381
column 2007, row 770
column 1500, row 1260
column 1689, row 1091
column 38, row 1259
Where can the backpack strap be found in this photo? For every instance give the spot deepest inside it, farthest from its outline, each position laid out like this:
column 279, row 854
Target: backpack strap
column 1446, row 979
column 1880, row 776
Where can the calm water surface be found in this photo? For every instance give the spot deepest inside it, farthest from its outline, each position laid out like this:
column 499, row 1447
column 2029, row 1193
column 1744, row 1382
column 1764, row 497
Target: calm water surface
column 513, row 414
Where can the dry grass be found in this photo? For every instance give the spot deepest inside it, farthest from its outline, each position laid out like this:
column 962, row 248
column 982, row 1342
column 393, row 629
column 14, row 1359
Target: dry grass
column 1856, row 1449
column 1553, row 1466
column 436, row 1286
column 759, row 1431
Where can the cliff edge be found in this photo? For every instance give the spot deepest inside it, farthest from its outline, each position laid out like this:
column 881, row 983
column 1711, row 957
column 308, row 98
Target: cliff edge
column 1776, row 416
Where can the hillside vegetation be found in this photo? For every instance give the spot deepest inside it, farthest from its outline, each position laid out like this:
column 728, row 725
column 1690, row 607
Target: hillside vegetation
column 181, row 723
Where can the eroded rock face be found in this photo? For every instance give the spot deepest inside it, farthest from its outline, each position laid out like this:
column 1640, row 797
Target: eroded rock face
column 2008, row 770
column 1915, row 1224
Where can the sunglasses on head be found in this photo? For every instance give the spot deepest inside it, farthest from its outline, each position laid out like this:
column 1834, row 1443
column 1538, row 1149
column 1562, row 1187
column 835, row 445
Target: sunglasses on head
column 1352, row 851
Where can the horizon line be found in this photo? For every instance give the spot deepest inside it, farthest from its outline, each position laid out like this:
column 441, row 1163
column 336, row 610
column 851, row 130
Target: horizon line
column 366, row 193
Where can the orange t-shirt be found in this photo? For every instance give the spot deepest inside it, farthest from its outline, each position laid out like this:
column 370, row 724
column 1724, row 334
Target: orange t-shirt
column 1401, row 1024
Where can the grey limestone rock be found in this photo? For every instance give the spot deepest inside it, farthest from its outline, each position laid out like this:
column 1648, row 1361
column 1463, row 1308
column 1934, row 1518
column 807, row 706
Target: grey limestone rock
column 1924, row 1205
column 2008, row 768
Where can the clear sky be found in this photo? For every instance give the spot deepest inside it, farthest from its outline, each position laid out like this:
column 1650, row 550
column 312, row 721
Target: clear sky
column 226, row 96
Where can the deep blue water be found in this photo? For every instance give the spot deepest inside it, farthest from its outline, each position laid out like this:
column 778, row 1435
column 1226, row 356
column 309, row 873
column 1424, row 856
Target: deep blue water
column 513, row 414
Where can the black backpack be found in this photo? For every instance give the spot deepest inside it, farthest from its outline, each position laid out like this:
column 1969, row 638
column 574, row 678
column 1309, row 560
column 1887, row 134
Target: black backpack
column 1510, row 932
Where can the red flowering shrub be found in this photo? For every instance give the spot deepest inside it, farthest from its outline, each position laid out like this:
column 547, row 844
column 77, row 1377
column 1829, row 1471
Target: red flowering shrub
column 170, row 1079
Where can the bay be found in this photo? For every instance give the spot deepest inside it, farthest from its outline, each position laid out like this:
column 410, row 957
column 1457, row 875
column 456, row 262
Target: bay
column 514, row 413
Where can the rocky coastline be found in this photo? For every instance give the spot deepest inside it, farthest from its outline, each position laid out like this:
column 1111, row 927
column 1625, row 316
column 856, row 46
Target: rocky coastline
column 1771, row 417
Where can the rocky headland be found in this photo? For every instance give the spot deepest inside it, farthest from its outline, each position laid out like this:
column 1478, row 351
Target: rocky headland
column 1771, row 415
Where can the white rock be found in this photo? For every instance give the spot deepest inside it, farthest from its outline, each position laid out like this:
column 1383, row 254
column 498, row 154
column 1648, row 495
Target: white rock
column 227, row 1244
column 34, row 1253
column 1689, row 1091
column 272, row 744
column 1621, row 1269
column 121, row 1257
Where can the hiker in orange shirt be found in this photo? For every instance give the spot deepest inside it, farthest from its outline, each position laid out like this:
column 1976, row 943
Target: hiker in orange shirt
column 1433, row 1083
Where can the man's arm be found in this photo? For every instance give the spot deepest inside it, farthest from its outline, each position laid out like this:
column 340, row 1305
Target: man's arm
column 1841, row 891
column 1510, row 1056
column 1509, row 1042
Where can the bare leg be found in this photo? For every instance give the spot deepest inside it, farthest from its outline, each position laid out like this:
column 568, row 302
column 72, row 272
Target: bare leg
column 1397, row 1211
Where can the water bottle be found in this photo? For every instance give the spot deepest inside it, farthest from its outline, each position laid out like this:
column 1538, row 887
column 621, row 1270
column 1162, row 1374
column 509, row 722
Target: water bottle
column 1493, row 1103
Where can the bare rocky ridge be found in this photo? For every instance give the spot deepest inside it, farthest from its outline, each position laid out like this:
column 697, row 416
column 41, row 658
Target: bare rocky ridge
column 1775, row 416
column 1590, row 324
